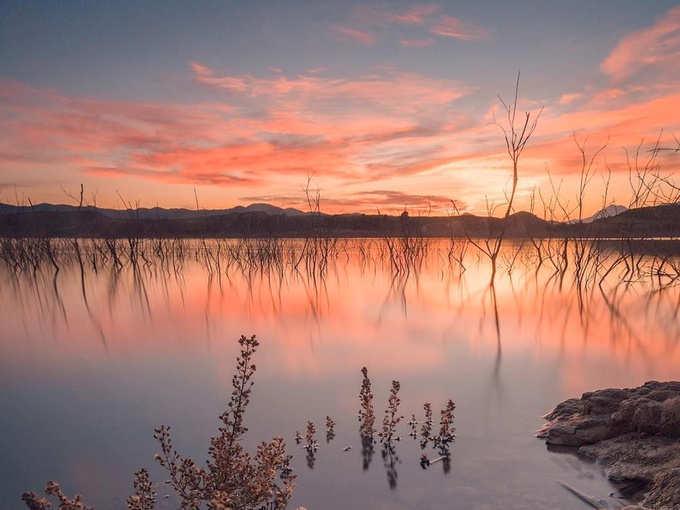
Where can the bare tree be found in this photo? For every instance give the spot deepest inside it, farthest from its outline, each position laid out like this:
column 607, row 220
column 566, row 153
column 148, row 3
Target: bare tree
column 517, row 133
column 587, row 169
column 77, row 199
column 517, row 130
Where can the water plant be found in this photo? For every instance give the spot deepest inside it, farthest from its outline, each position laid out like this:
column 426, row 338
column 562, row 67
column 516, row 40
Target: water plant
column 330, row 429
column 53, row 489
column 426, row 428
column 391, row 419
column 230, row 479
column 413, row 426
column 366, row 419
column 366, row 412
column 144, row 497
column 311, row 443
column 446, row 429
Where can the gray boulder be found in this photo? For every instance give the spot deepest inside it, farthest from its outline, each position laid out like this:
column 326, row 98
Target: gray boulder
column 634, row 433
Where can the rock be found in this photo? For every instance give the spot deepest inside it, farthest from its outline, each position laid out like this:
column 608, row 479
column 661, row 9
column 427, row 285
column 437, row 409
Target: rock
column 670, row 417
column 664, row 491
column 633, row 433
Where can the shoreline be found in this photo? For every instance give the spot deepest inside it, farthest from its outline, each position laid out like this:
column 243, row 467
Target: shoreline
column 633, row 433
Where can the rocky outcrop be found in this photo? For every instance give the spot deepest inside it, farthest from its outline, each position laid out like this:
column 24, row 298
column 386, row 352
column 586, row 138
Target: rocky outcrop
column 634, row 433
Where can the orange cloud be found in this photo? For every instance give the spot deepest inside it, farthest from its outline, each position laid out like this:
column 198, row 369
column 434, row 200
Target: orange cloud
column 247, row 160
column 387, row 130
column 302, row 125
column 658, row 45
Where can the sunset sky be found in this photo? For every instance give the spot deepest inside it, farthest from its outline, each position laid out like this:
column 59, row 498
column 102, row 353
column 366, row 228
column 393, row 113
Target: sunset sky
column 384, row 105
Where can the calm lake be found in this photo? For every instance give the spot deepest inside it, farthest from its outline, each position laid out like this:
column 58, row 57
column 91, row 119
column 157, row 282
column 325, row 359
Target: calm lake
column 92, row 359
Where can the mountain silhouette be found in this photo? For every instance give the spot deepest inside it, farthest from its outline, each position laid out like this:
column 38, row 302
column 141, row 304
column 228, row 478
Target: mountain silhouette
column 263, row 220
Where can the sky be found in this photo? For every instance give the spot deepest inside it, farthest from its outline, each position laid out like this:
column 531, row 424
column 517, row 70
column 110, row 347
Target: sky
column 380, row 106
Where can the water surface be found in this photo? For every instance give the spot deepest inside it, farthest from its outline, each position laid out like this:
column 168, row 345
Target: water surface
column 93, row 357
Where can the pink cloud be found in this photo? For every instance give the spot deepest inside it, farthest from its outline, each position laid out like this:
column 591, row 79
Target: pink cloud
column 606, row 95
column 354, row 34
column 417, row 43
column 221, row 145
column 205, row 75
column 392, row 89
column 658, row 45
column 569, row 97
column 372, row 16
column 383, row 130
column 364, row 20
column 252, row 159
column 414, row 16
column 448, row 26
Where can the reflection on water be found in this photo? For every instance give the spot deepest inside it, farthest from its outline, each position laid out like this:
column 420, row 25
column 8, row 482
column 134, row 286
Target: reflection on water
column 103, row 340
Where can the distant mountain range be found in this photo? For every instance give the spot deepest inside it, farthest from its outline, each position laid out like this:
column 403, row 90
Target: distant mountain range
column 156, row 213
column 260, row 220
column 607, row 212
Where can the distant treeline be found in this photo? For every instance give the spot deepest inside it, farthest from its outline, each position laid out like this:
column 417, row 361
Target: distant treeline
column 71, row 221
